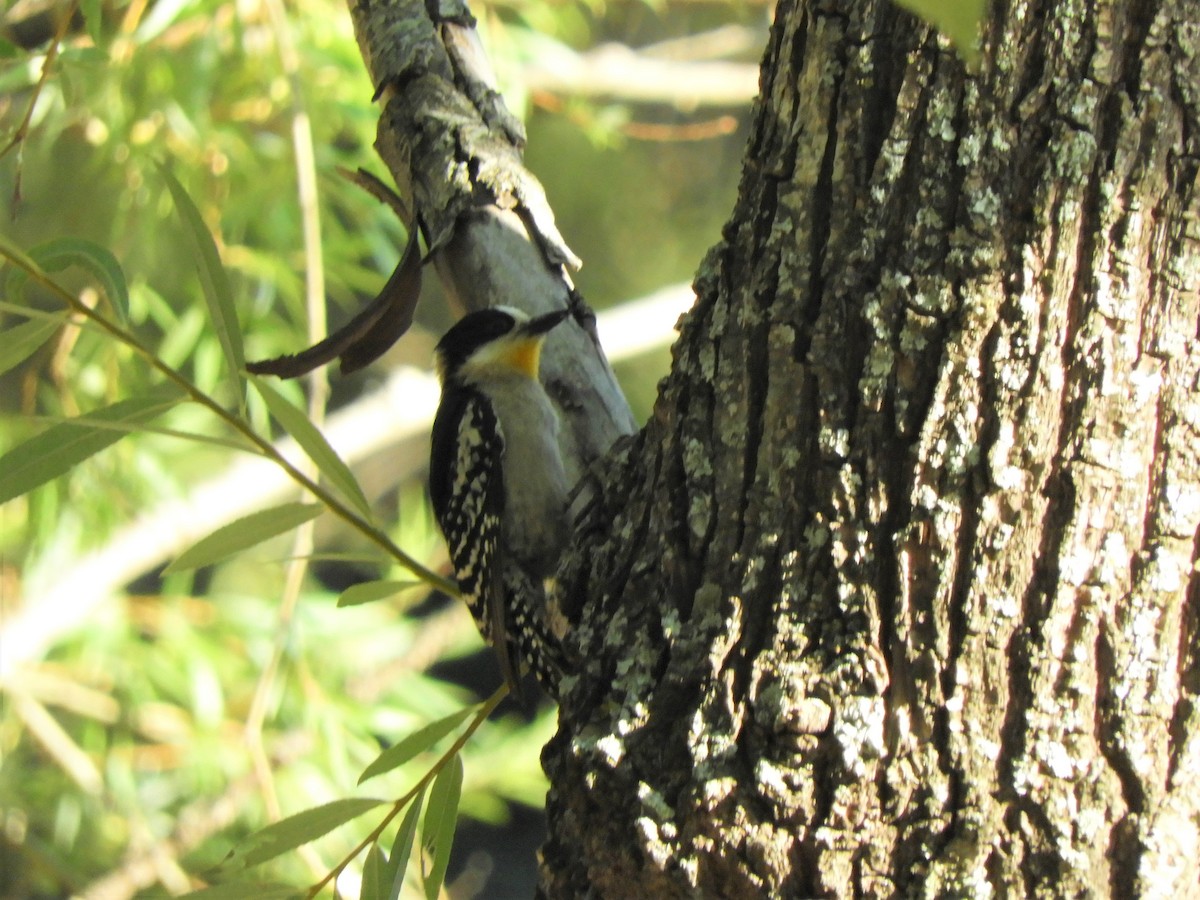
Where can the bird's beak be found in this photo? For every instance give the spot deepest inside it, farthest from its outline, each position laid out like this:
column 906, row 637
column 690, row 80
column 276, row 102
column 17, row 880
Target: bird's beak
column 542, row 324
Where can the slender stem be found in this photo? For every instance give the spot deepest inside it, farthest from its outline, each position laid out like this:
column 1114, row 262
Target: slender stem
column 484, row 711
column 331, row 501
column 62, row 26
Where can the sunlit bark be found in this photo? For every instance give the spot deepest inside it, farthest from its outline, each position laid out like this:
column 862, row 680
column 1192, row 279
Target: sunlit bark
column 897, row 591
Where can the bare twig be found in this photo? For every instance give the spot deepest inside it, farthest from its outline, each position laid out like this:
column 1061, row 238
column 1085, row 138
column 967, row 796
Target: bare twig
column 22, row 129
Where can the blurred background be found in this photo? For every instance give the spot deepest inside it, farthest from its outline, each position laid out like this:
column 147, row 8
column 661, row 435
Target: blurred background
column 149, row 720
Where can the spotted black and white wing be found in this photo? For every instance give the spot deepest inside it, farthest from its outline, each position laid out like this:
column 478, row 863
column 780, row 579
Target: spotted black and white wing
column 466, row 486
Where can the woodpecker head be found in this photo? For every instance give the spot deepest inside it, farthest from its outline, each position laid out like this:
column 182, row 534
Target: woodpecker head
column 494, row 343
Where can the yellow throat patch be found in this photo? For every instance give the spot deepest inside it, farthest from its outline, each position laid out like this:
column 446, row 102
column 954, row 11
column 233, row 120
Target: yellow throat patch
column 525, row 356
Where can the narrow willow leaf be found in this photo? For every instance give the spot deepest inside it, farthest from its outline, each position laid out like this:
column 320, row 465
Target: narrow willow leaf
column 441, row 818
column 960, row 20
column 229, row 443
column 402, row 846
column 58, row 254
column 22, row 340
column 243, row 533
column 60, row 448
column 415, row 743
column 313, row 443
column 246, row 890
column 213, row 279
column 373, row 886
column 295, row 831
column 370, row 591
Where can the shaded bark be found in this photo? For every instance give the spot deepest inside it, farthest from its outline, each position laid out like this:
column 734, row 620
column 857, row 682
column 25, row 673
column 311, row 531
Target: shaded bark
column 455, row 153
column 897, row 592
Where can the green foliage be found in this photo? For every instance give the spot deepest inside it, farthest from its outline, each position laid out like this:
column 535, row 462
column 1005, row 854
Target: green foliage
column 197, row 691
column 243, row 533
column 417, row 742
column 171, row 698
column 295, row 831
column 247, row 890
column 374, row 876
column 371, row 591
column 101, row 265
column 155, row 229
column 21, row 341
column 402, row 845
column 60, row 448
column 437, row 830
column 217, row 291
column 310, row 439
column 959, row 20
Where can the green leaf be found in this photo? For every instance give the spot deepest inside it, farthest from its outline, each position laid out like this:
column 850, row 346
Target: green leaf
column 415, row 743
column 373, row 886
column 441, row 818
column 60, row 253
column 295, row 831
column 60, row 448
column 93, row 19
column 402, row 846
column 960, row 20
column 217, row 292
column 246, row 890
column 21, row 341
column 371, row 591
column 313, row 443
column 243, row 533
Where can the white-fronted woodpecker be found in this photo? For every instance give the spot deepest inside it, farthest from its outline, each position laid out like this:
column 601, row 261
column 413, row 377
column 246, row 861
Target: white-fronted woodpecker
column 498, row 487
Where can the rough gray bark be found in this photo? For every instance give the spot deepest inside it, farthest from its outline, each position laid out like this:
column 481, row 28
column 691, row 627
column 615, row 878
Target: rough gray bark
column 897, row 593
column 455, row 153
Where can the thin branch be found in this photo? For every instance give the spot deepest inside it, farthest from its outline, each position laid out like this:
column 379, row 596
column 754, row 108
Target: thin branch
column 397, row 414
column 22, row 129
column 328, row 498
column 485, row 710
column 454, row 152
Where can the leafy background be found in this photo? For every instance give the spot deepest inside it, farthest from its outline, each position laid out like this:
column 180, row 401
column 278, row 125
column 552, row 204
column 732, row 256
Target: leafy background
column 150, row 727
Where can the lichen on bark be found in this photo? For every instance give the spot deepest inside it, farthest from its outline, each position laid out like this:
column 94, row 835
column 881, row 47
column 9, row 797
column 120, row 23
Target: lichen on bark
column 455, row 154
column 896, row 593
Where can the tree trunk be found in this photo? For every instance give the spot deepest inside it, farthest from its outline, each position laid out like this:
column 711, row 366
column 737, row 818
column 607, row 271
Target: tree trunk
column 897, row 593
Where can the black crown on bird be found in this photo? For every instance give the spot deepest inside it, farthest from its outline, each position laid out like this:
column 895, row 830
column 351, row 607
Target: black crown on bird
column 486, row 326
